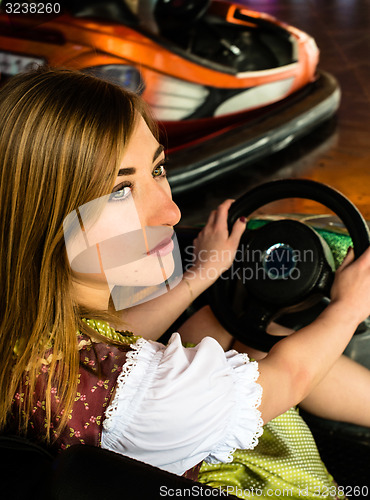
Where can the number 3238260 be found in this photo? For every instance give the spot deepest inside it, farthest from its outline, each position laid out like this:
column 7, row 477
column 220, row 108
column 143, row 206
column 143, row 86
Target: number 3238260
column 346, row 491
column 32, row 8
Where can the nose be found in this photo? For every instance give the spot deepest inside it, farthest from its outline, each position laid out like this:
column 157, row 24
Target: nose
column 160, row 209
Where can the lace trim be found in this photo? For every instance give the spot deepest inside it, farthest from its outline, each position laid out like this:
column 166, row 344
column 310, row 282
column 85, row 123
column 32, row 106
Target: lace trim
column 245, row 424
column 131, row 362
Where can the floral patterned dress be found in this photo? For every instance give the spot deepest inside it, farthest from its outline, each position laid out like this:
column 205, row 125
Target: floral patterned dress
column 94, row 391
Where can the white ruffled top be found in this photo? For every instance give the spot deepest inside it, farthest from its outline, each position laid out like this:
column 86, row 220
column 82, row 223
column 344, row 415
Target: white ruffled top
column 176, row 406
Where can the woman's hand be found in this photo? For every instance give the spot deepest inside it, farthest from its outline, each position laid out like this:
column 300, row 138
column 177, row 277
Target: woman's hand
column 351, row 287
column 214, row 247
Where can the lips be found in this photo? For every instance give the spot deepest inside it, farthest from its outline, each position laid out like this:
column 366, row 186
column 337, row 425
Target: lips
column 163, row 248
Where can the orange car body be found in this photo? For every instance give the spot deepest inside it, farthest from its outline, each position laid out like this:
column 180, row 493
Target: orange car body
column 82, row 43
column 196, row 100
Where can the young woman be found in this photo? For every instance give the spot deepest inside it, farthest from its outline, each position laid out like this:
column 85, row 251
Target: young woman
column 73, row 144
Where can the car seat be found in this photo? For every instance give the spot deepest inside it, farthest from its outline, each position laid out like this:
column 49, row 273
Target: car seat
column 83, row 472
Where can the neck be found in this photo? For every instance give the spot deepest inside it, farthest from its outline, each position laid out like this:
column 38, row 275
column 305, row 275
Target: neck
column 92, row 296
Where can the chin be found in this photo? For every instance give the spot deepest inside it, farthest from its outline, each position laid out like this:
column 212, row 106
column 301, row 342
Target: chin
column 144, row 272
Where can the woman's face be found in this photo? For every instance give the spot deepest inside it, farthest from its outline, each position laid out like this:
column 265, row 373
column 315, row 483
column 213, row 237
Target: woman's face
column 129, row 242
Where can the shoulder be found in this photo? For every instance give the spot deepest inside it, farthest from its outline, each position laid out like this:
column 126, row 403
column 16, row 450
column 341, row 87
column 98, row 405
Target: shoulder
column 92, row 353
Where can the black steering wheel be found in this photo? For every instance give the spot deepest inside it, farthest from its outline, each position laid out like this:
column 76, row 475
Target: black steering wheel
column 283, row 266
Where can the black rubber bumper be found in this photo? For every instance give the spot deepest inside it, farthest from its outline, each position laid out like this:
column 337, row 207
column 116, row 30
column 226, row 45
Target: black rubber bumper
column 275, row 129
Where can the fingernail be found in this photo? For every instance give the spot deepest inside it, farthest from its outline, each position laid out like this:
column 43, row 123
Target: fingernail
column 242, row 219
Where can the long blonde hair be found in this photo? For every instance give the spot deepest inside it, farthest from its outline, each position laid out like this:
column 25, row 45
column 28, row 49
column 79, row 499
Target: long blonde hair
column 62, row 138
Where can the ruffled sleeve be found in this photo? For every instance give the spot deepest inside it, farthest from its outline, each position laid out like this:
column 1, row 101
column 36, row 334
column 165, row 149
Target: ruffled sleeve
column 176, row 406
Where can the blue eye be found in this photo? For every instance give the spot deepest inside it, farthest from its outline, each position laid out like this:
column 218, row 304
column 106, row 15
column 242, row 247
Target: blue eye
column 120, row 195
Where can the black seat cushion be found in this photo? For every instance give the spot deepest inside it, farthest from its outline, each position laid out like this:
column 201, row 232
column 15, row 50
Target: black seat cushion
column 96, row 473
column 82, row 472
column 26, row 469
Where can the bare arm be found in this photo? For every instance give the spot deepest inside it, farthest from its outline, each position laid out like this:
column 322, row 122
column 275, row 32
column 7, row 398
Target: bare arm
column 296, row 364
column 151, row 319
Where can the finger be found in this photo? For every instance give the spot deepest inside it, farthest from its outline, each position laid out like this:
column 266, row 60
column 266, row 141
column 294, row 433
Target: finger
column 222, row 213
column 347, row 259
column 211, row 218
column 228, row 201
column 238, row 229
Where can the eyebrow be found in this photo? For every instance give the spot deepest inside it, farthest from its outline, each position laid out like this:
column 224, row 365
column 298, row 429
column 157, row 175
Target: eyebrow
column 132, row 170
column 159, row 150
column 126, row 171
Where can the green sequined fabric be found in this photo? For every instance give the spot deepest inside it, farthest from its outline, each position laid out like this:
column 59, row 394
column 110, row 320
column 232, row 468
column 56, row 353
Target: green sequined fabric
column 338, row 243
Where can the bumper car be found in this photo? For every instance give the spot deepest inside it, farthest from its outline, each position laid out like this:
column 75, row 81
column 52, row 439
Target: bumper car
column 344, row 448
column 227, row 85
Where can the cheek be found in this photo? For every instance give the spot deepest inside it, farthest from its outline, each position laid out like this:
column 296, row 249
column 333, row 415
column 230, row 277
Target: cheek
column 87, row 235
column 117, row 218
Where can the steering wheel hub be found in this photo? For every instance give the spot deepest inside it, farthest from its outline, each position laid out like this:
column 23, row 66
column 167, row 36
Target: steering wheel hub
column 283, row 262
column 279, row 261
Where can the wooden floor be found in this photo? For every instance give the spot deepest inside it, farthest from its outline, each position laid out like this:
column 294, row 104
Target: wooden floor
column 339, row 152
